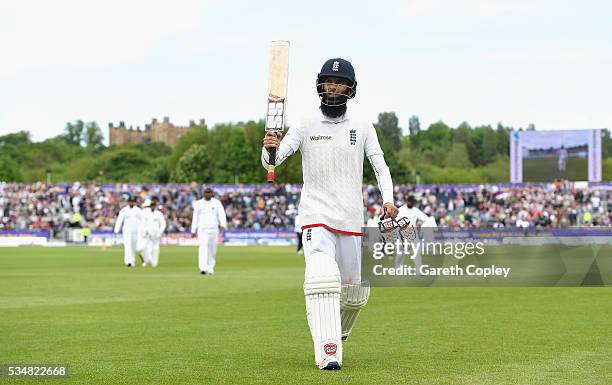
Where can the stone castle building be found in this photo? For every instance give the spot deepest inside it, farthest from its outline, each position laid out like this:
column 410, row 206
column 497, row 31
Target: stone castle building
column 163, row 131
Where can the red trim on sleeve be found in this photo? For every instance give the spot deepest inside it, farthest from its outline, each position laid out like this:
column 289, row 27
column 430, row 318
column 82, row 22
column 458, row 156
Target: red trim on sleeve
column 332, row 229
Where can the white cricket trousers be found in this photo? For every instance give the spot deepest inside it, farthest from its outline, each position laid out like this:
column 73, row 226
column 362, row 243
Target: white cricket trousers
column 332, row 260
column 130, row 243
column 345, row 249
column 150, row 250
column 208, row 249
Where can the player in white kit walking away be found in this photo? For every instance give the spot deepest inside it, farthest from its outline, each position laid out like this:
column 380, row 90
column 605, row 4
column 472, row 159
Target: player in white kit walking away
column 333, row 144
column 208, row 217
column 154, row 225
column 129, row 221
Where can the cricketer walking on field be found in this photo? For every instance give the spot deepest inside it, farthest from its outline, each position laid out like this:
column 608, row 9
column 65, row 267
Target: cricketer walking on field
column 129, row 221
column 332, row 145
column 208, row 217
column 153, row 227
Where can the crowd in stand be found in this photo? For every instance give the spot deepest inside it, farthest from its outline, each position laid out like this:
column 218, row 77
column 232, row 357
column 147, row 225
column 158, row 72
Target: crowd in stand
column 559, row 205
column 55, row 208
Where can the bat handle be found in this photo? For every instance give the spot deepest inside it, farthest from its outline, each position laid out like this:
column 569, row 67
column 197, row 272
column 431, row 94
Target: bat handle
column 271, row 165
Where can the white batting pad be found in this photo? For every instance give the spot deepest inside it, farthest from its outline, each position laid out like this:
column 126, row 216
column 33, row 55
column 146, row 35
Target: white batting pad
column 353, row 298
column 322, row 291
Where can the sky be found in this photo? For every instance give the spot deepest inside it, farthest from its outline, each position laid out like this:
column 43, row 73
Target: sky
column 481, row 61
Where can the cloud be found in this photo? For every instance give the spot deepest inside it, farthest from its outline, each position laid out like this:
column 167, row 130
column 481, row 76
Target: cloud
column 46, row 35
column 468, row 9
column 518, row 62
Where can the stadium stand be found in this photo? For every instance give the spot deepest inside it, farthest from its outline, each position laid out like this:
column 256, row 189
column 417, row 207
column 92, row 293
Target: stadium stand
column 260, row 207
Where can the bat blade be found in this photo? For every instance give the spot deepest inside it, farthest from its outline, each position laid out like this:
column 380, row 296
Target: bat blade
column 277, row 94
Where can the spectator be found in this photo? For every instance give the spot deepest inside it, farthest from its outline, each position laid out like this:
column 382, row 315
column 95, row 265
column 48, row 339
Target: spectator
column 53, row 208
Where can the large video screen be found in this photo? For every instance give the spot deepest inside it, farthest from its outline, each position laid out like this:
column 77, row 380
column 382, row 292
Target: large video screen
column 543, row 156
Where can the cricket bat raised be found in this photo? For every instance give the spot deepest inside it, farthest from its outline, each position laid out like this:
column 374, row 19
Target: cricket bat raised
column 277, row 95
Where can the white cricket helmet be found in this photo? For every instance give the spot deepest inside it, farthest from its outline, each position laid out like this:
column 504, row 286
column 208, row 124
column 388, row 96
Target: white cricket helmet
column 147, row 203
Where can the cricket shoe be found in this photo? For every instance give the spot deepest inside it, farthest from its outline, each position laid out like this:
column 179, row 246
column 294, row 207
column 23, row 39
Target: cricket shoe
column 330, row 363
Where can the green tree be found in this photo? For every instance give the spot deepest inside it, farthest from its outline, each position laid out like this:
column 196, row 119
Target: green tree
column 436, row 135
column 121, row 165
column 606, row 144
column 159, row 170
column 154, row 149
column 388, row 124
column 399, row 172
column 458, row 157
column 17, row 139
column 230, row 156
column 9, row 170
column 289, row 172
column 58, row 149
column 15, row 146
column 463, row 134
column 414, row 126
column 494, row 172
column 83, row 169
column 441, row 154
column 606, row 166
column 408, row 156
column 485, row 145
column 194, row 166
column 489, row 145
column 503, row 139
column 93, row 135
column 39, row 158
column 197, row 135
column 436, row 155
column 73, row 133
column 17, row 153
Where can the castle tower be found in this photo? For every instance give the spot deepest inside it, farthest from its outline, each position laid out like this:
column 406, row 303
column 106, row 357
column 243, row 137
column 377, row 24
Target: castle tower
column 156, row 131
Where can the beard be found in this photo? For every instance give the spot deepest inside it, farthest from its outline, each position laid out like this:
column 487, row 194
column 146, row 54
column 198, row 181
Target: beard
column 333, row 111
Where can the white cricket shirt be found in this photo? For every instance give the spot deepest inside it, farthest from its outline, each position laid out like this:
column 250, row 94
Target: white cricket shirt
column 208, row 215
column 129, row 218
column 153, row 222
column 332, row 167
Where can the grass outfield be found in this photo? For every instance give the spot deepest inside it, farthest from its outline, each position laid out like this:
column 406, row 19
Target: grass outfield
column 246, row 324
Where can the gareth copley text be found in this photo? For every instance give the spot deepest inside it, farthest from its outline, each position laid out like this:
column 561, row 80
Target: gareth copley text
column 426, row 270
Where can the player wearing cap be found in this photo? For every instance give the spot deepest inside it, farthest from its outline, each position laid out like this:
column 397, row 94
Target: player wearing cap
column 208, row 217
column 129, row 221
column 333, row 144
column 154, row 225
